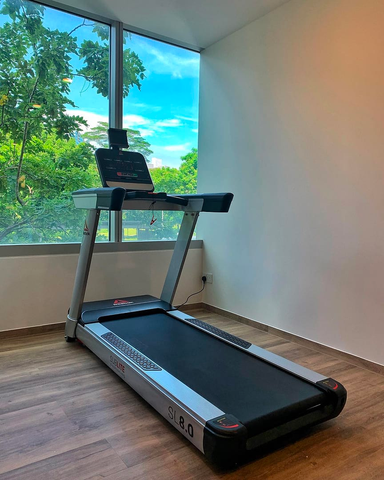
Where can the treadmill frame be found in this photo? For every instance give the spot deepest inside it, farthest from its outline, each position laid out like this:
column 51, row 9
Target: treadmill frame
column 190, row 413
column 89, row 199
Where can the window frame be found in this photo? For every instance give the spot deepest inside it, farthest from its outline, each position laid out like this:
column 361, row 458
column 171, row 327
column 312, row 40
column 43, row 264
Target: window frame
column 115, row 243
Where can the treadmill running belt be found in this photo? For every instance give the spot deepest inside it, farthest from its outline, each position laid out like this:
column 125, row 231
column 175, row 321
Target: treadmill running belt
column 259, row 394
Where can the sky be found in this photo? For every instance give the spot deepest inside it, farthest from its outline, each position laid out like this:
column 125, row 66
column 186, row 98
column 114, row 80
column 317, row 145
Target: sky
column 164, row 110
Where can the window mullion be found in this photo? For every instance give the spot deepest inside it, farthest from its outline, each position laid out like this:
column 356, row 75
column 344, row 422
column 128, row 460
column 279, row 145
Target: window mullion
column 116, row 109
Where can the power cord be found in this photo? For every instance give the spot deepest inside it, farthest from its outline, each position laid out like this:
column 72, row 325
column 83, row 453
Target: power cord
column 204, row 280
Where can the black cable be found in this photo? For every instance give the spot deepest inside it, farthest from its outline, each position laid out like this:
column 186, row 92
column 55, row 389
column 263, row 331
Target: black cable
column 204, row 280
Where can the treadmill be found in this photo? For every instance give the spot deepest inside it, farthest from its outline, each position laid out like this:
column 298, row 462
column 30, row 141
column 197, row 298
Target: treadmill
column 227, row 396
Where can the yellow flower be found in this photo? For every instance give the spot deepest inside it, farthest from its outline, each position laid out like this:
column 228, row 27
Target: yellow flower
column 3, row 100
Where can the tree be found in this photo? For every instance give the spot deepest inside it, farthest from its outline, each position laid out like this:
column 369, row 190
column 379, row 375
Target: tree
column 36, row 66
column 188, row 173
column 98, row 136
column 165, row 179
column 176, row 181
column 54, row 167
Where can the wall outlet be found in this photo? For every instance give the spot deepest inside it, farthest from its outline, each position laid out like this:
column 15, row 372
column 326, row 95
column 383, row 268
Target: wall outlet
column 209, row 277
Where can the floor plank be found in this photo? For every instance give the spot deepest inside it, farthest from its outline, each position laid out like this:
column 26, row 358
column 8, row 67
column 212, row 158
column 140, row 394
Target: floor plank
column 65, row 415
column 80, row 464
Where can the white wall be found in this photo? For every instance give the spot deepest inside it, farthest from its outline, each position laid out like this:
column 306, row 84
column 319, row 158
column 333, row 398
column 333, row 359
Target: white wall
column 292, row 122
column 37, row 290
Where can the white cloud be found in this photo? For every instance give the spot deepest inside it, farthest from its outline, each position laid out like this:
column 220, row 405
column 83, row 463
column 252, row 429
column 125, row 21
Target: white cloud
column 188, row 119
column 146, row 126
column 178, row 66
column 195, row 130
column 146, row 132
column 170, row 155
column 131, row 121
column 92, row 118
column 149, row 127
column 178, row 148
column 174, row 122
column 146, row 106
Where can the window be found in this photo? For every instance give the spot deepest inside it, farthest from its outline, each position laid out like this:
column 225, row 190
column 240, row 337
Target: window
column 54, row 88
column 49, row 87
column 161, row 118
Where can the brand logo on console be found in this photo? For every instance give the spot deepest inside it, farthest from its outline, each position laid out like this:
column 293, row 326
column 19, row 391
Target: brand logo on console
column 120, row 303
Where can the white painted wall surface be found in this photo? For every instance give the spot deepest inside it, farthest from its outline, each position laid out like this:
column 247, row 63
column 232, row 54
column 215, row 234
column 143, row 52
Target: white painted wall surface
column 292, row 122
column 37, row 290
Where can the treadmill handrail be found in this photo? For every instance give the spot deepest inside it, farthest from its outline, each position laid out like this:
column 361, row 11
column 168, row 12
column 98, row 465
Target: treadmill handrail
column 117, row 198
column 213, row 202
column 105, row 198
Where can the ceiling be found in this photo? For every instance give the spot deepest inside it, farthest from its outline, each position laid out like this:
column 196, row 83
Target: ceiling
column 193, row 23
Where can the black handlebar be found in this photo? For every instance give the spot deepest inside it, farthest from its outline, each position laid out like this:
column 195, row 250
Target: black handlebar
column 112, row 198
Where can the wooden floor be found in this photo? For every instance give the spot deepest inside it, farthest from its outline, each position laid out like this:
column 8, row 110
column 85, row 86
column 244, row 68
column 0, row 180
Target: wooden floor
column 64, row 415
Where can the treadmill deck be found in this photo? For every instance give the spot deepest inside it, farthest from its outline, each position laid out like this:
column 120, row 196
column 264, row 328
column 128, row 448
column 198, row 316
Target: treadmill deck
column 259, row 394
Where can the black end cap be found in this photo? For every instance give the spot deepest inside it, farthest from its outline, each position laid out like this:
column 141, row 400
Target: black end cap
column 337, row 391
column 224, row 440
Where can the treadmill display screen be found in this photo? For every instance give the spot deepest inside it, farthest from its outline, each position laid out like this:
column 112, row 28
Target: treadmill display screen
column 121, row 168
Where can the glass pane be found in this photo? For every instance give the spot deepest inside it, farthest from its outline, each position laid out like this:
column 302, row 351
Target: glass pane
column 142, row 226
column 161, row 115
column 54, row 69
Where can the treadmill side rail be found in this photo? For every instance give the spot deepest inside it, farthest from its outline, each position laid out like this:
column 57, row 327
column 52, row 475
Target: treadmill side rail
column 272, row 358
column 187, row 411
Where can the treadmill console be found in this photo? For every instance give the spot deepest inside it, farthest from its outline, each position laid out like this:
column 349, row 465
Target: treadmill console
column 122, row 168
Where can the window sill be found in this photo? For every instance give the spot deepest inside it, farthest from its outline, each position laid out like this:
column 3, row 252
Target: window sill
column 74, row 248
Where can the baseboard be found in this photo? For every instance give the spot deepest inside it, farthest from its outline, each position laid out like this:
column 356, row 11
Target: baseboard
column 348, row 357
column 193, row 306
column 56, row 327
column 21, row 332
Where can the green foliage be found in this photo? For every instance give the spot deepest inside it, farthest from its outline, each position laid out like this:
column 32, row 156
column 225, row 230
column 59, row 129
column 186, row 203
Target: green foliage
column 39, row 162
column 33, row 62
column 96, row 69
column 96, row 64
column 99, row 137
column 165, row 179
column 53, row 168
column 138, row 144
column 177, row 181
column 133, row 71
column 188, row 173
